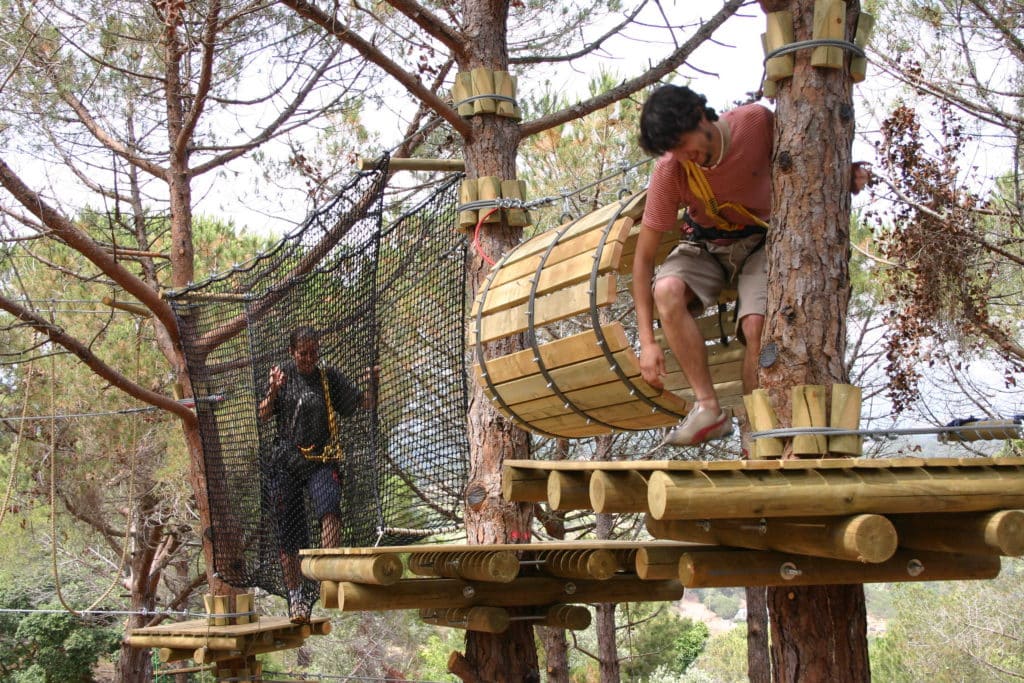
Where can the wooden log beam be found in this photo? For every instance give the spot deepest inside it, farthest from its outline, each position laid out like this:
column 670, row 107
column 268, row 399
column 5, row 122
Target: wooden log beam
column 571, row 617
column 798, row 492
column 568, row 490
column 859, row 538
column 171, row 654
column 523, row 592
column 524, row 485
column 614, row 491
column 986, row 533
column 204, row 655
column 761, row 568
column 597, row 564
column 178, row 642
column 493, row 566
column 408, row 164
column 382, row 570
column 481, row 619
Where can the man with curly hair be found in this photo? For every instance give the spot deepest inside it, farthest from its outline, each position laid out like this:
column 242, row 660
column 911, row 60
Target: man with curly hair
column 718, row 170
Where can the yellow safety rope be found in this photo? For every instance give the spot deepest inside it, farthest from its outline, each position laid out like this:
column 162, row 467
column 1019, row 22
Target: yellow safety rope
column 332, row 449
column 700, row 187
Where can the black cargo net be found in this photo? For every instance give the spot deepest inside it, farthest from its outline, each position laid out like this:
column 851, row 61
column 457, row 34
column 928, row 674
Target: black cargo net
column 381, row 312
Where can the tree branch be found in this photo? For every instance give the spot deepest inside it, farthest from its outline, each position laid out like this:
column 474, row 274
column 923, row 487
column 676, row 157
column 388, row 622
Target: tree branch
column 653, row 75
column 433, row 25
column 335, row 28
column 63, row 229
column 586, row 49
column 210, row 28
column 57, row 336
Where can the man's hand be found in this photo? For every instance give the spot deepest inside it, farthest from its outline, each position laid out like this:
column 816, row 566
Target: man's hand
column 276, row 380
column 652, row 364
column 274, row 384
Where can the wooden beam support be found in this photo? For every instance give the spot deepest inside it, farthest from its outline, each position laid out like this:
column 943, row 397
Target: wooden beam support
column 982, row 533
column 481, row 619
column 617, row 491
column 494, row 566
column 859, row 538
column 523, row 592
column 408, row 164
column 571, row 617
column 597, row 564
column 760, row 568
column 177, row 642
column 382, row 570
column 799, row 492
column 524, row 485
column 569, row 490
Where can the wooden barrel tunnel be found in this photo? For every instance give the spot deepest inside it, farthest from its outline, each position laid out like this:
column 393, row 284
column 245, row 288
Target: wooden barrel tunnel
column 583, row 383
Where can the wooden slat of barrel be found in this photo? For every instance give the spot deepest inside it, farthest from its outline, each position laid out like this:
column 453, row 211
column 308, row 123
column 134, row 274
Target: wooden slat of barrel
column 565, row 351
column 609, row 399
column 730, row 394
column 629, row 420
column 669, row 240
column 568, row 378
column 556, row 306
column 598, row 219
column 555, row 276
column 593, row 398
column 567, row 248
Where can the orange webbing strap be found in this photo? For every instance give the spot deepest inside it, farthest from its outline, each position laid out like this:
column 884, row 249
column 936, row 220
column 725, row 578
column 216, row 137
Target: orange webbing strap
column 700, row 187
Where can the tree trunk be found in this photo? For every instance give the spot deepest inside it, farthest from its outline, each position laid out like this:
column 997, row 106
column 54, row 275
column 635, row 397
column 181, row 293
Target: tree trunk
column 759, row 668
column 556, row 654
column 491, row 151
column 820, row 632
column 607, row 647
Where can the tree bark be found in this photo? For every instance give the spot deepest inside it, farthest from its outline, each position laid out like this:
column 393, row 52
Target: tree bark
column 759, row 668
column 607, row 647
column 818, row 632
column 491, row 150
column 556, row 654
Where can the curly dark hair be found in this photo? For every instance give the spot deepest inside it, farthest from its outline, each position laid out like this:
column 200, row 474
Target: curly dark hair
column 300, row 334
column 670, row 111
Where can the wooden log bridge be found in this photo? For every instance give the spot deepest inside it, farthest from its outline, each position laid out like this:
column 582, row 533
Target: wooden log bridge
column 582, row 383
column 230, row 640
column 838, row 520
column 485, row 587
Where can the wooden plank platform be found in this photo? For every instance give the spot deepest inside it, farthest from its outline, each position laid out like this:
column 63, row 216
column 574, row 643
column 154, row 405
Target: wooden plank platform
column 229, row 644
column 202, row 628
column 489, row 547
column 767, row 464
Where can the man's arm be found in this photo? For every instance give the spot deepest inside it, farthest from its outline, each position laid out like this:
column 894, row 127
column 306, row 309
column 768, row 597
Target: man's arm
column 274, row 384
column 652, row 358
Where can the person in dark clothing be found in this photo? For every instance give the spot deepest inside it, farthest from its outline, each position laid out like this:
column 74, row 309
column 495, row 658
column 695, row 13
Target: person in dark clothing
column 306, row 400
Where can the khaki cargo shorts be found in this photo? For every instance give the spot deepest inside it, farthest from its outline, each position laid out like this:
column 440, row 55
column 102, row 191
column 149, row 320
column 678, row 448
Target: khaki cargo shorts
column 708, row 268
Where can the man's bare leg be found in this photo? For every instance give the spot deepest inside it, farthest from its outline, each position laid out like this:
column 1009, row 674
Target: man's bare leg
column 673, row 297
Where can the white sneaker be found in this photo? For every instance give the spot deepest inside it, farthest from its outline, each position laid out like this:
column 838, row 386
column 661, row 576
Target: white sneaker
column 700, row 426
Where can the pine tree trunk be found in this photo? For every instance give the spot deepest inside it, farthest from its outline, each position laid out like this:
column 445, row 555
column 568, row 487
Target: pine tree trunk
column 556, row 654
column 759, row 668
column 491, row 151
column 818, row 633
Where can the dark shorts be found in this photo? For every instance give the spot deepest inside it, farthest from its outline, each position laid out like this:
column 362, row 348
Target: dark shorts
column 324, row 494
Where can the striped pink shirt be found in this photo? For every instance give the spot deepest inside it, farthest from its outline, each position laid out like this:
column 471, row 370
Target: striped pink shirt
column 743, row 176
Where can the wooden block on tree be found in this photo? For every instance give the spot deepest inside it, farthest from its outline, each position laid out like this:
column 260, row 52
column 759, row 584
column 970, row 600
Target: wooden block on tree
column 829, row 23
column 779, row 32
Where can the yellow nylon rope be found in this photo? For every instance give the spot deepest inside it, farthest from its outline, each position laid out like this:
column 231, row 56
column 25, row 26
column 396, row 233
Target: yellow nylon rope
column 700, row 186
